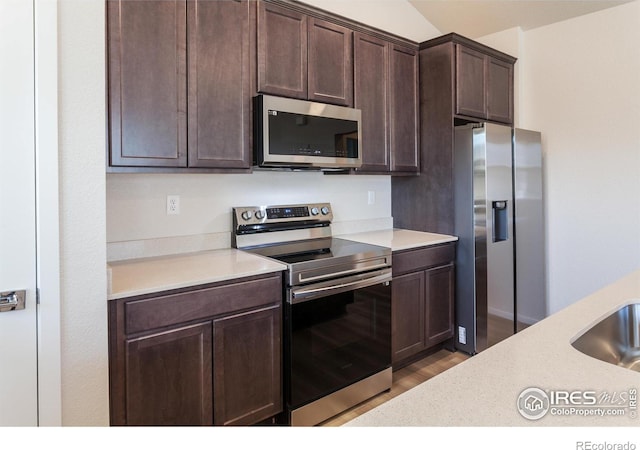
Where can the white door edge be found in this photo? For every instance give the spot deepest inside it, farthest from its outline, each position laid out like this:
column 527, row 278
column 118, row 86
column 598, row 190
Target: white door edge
column 47, row 213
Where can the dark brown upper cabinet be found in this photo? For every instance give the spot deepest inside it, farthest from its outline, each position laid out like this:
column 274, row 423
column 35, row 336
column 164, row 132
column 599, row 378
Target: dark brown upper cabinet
column 147, row 83
column 484, row 85
column 371, row 68
column 179, row 84
column 330, row 64
column 219, row 101
column 460, row 81
column 303, row 57
column 282, row 51
column 404, row 110
column 471, row 99
column 386, row 90
column 499, row 90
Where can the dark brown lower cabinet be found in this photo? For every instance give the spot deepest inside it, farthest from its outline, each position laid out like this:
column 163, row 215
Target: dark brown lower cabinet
column 246, row 379
column 439, row 295
column 205, row 356
column 168, row 377
column 408, row 315
column 422, row 300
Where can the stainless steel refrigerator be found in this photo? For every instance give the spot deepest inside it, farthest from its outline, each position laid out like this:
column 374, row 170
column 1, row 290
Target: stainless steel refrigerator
column 499, row 220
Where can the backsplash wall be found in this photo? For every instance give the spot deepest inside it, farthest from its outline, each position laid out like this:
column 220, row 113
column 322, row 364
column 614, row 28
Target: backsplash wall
column 138, row 224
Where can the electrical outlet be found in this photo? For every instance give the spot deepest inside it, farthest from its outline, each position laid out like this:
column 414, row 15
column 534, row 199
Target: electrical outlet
column 173, row 204
column 462, row 335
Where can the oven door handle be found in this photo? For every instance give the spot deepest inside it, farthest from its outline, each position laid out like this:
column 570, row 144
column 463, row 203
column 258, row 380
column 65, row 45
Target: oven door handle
column 309, row 293
column 363, row 266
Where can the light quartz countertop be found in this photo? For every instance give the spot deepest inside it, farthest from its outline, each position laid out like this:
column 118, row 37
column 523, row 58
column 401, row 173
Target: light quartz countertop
column 149, row 275
column 128, row 278
column 484, row 389
column 397, row 239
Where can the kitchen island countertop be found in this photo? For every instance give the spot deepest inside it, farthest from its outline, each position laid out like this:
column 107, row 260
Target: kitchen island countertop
column 484, row 389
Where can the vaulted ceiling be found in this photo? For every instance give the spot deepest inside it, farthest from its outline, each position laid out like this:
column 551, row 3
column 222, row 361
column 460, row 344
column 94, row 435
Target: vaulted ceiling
column 475, row 18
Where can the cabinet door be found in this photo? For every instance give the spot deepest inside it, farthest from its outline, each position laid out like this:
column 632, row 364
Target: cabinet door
column 404, row 107
column 439, row 283
column 371, row 68
column 407, row 315
column 247, row 361
column 168, row 377
column 147, row 83
column 470, row 83
column 500, row 91
column 330, row 69
column 282, row 51
column 219, row 84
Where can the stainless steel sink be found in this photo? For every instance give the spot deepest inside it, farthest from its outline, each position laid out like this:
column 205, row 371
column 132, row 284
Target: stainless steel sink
column 615, row 339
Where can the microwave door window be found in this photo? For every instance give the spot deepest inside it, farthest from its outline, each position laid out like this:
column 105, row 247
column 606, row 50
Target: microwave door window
column 305, row 135
column 346, row 145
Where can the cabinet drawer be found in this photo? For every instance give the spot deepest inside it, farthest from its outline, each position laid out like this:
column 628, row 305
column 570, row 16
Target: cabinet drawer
column 422, row 258
column 156, row 312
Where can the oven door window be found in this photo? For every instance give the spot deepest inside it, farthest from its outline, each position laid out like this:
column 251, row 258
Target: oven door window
column 338, row 340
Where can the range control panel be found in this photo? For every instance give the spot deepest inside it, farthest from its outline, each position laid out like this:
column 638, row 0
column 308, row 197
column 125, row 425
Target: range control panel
column 287, row 212
column 252, row 215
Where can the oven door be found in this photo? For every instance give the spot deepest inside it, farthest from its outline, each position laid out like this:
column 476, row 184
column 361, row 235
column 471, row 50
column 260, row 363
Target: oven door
column 337, row 333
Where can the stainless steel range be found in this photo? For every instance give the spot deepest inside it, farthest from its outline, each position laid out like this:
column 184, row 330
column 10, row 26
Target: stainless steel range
column 337, row 311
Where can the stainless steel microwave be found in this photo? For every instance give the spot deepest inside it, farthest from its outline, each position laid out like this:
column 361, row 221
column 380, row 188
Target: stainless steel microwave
column 294, row 134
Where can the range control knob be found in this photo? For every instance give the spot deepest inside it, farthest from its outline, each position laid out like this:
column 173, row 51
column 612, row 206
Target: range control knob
column 314, row 211
column 259, row 214
column 247, row 215
column 325, row 210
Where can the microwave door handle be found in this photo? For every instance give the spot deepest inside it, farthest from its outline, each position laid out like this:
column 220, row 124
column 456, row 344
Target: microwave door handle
column 306, row 294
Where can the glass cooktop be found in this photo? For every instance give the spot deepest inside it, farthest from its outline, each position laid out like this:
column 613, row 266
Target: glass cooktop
column 315, row 250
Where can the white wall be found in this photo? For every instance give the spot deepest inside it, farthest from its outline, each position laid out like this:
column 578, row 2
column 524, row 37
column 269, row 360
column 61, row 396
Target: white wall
column 581, row 89
column 81, row 97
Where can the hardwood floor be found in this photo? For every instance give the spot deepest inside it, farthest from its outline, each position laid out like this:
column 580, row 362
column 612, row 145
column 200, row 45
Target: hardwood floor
column 498, row 329
column 403, row 380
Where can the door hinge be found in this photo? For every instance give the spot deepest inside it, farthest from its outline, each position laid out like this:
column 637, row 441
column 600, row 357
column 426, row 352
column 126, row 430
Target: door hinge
column 37, row 296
